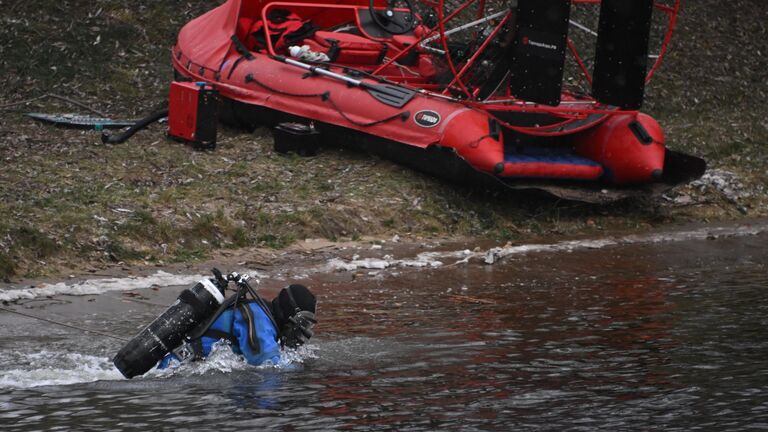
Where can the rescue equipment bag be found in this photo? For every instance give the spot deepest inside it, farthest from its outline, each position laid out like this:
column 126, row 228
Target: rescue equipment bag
column 285, row 29
column 347, row 48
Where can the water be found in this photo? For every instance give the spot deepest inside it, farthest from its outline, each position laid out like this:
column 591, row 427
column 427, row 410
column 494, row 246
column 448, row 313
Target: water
column 647, row 336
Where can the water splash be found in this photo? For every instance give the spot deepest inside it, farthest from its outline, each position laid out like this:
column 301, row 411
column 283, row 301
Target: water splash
column 223, row 359
column 46, row 368
column 293, row 357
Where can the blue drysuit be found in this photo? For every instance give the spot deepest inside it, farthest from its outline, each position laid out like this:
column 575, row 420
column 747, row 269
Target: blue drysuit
column 252, row 334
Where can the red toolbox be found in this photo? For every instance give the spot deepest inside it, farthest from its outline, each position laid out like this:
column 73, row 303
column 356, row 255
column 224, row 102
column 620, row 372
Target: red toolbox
column 193, row 112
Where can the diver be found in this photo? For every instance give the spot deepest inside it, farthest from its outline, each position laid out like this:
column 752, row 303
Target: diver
column 255, row 329
column 201, row 317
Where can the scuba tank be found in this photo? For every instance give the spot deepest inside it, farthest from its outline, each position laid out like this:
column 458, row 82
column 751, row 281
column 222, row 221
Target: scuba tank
column 193, row 306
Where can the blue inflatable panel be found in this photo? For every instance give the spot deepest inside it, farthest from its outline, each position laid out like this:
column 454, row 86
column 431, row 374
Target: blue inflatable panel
column 547, row 164
column 553, row 159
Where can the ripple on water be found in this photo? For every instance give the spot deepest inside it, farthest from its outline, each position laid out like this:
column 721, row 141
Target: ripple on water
column 668, row 337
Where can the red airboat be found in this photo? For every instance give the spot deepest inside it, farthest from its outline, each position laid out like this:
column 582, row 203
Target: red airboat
column 476, row 89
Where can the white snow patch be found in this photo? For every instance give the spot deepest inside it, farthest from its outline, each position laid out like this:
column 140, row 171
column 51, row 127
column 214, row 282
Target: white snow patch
column 99, row 286
column 366, row 263
column 341, row 265
column 494, row 255
column 102, row 285
column 726, row 182
column 387, row 261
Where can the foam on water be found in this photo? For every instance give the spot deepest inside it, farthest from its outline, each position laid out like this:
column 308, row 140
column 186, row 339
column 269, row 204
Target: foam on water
column 290, row 357
column 47, row 368
column 223, row 359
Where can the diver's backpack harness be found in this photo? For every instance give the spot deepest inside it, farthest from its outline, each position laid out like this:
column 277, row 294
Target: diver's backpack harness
column 296, row 331
column 239, row 302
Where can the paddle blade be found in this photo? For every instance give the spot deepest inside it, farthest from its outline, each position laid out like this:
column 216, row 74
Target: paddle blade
column 389, row 94
column 81, row 121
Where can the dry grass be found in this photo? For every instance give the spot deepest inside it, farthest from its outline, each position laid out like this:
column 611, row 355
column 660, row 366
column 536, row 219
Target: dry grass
column 69, row 202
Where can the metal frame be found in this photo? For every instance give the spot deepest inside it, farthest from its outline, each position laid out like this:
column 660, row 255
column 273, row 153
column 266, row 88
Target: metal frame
column 574, row 108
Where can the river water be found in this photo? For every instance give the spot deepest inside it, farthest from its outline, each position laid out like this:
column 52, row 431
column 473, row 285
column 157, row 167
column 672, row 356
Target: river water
column 644, row 335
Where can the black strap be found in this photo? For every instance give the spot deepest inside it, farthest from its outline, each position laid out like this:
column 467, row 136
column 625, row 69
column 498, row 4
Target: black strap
column 306, row 31
column 261, row 40
column 334, row 50
column 197, row 349
column 294, row 305
column 268, row 311
column 200, row 330
column 241, row 48
column 253, row 338
column 234, row 66
column 205, row 330
column 264, row 307
column 383, row 54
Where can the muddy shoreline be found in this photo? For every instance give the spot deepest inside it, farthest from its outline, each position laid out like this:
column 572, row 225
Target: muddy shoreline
column 348, row 261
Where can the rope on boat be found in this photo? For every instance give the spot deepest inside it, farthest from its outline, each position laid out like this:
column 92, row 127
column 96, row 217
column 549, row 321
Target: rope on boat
column 401, row 115
column 326, row 96
column 250, row 78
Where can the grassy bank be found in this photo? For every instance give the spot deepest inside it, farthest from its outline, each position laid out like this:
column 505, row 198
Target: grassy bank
column 69, row 203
